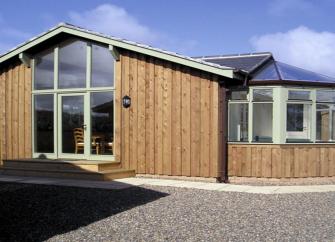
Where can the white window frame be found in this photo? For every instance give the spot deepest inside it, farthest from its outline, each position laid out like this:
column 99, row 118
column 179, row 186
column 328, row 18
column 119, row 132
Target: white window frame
column 279, row 125
column 245, row 101
column 296, row 136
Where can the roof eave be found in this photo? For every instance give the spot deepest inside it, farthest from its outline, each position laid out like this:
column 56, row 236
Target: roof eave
column 226, row 72
column 291, row 82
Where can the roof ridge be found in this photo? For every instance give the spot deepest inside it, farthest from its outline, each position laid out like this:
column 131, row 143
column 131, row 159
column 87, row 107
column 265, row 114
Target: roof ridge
column 145, row 46
column 253, row 54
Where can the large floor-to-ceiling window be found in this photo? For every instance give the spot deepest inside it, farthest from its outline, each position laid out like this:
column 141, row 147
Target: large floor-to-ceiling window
column 73, row 95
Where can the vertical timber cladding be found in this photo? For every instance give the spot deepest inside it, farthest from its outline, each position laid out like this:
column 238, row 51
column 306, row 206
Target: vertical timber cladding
column 172, row 126
column 281, row 161
column 15, row 112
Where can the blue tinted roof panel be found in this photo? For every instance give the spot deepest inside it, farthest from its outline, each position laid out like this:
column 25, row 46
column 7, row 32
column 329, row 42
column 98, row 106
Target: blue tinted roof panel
column 269, row 72
column 289, row 72
column 278, row 71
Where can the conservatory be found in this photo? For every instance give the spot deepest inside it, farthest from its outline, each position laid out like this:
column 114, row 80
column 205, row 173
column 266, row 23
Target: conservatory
column 285, row 113
column 282, row 124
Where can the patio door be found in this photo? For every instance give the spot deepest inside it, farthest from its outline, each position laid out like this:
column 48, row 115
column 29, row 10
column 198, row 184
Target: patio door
column 73, row 135
column 298, row 121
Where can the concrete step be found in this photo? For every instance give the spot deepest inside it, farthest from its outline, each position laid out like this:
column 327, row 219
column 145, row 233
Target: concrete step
column 70, row 174
column 62, row 165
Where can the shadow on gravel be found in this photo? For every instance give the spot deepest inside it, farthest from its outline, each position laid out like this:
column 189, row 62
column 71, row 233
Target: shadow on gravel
column 38, row 212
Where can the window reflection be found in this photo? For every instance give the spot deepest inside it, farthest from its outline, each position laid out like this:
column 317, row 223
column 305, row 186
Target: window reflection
column 102, row 67
column 298, row 121
column 238, row 122
column 102, row 121
column 72, row 124
column 262, row 122
column 44, row 123
column 72, row 65
column 44, row 71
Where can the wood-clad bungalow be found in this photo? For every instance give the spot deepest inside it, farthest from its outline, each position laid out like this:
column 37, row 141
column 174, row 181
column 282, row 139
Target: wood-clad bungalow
column 79, row 104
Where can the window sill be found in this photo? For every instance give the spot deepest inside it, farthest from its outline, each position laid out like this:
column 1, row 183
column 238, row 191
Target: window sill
column 299, row 141
column 262, row 142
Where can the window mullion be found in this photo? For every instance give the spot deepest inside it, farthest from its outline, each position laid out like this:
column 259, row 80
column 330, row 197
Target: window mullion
column 56, row 67
column 250, row 116
column 88, row 65
column 313, row 116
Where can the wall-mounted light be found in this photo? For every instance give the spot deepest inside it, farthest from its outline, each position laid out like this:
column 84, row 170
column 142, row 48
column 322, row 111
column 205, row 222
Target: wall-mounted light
column 126, row 101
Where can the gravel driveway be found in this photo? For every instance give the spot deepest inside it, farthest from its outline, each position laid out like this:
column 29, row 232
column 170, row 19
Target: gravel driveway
column 40, row 212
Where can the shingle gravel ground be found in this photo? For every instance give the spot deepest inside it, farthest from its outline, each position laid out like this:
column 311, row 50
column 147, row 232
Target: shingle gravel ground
column 40, row 212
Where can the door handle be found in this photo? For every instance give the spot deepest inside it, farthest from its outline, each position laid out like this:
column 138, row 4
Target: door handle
column 84, row 126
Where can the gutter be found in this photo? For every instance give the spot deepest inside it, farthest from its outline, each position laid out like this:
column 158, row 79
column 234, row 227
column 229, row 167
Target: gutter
column 225, row 131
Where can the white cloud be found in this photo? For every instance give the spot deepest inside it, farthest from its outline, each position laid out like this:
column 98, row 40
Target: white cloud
column 302, row 47
column 116, row 21
column 108, row 19
column 282, row 7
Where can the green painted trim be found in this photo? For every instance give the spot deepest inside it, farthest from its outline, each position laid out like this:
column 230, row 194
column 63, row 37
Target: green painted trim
column 88, row 65
column 57, row 95
column 60, row 128
column 115, row 52
column 74, row 90
column 313, row 116
column 31, row 44
column 56, row 64
column 118, row 43
column 25, row 59
column 279, row 115
column 250, row 116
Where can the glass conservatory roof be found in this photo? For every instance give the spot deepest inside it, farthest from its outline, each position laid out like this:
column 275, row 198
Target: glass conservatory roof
column 278, row 71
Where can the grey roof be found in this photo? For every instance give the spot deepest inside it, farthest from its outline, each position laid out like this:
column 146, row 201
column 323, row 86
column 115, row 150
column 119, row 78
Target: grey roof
column 247, row 62
column 120, row 40
column 278, row 71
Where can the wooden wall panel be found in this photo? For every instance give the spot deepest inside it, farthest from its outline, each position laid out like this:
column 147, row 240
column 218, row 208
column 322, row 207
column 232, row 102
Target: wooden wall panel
column 150, row 117
column 15, row 112
column 172, row 126
column 176, row 157
column 166, row 132
column 195, row 124
column 281, row 161
column 2, row 115
column 141, row 137
column 124, row 115
column 117, row 113
column 186, row 122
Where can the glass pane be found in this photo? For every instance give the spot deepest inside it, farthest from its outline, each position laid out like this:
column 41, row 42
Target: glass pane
column 102, row 123
column 262, row 122
column 267, row 73
column 289, row 72
column 239, row 95
column 325, row 96
column 44, row 123
column 44, row 70
column 72, row 65
column 299, row 95
column 102, row 67
column 72, row 124
column 325, row 121
column 298, row 121
column 238, row 122
column 262, row 95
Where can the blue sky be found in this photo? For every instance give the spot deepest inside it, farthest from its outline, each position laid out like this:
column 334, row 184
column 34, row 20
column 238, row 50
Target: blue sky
column 299, row 32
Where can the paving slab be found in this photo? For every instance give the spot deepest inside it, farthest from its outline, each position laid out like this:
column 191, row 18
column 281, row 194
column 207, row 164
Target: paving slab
column 129, row 182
